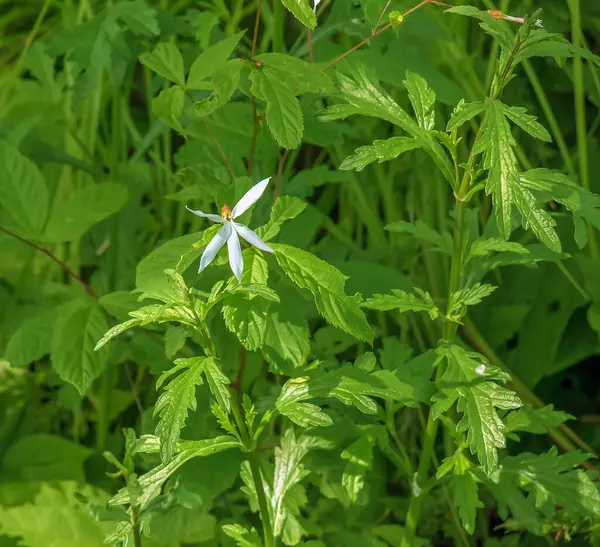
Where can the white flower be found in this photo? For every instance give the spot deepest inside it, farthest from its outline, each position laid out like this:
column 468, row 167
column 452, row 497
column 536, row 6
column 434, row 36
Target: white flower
column 315, row 4
column 231, row 230
column 480, row 369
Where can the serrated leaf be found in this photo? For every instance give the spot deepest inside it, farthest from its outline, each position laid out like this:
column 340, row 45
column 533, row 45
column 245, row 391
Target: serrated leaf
column 300, row 76
column 225, row 82
column 74, row 216
column 465, row 497
column 289, row 471
column 420, row 230
column 402, row 302
column 211, row 60
column 167, row 61
column 536, row 218
column 218, row 384
column 326, row 283
column 472, row 382
column 302, row 11
column 174, row 402
column 242, row 536
column 23, row 191
column 528, row 123
column 287, row 343
column 541, row 43
column 497, row 143
column 175, row 338
column 422, row 98
column 366, row 98
column 464, row 112
column 283, row 113
column 468, row 297
column 168, row 107
column 535, row 420
column 381, row 150
column 485, row 246
column 285, row 208
column 73, row 355
column 151, row 482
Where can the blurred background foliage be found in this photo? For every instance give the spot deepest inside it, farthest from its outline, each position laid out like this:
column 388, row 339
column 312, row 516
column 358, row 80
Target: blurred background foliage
column 97, row 125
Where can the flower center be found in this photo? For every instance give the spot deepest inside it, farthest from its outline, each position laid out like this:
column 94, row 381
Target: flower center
column 226, row 212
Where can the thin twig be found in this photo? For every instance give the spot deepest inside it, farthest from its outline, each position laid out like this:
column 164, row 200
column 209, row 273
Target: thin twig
column 221, row 152
column 381, row 31
column 282, row 159
column 66, row 268
column 311, row 51
column 255, row 120
column 382, row 14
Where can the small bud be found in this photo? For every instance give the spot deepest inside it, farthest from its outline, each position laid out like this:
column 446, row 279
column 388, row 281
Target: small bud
column 396, row 19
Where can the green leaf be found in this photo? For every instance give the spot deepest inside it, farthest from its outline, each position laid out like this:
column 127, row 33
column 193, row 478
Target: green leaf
column 465, row 496
column 73, row 355
column 536, row 218
column 287, row 342
column 43, row 457
column 243, row 537
column 245, row 314
column 138, row 16
column 302, row 11
column 285, row 208
column 545, row 44
column 528, row 123
column 23, row 191
column 212, row 60
column 556, row 186
column 464, row 112
column 422, row 98
column 173, row 404
column 535, row 420
column 420, row 230
column 300, row 76
column 381, row 150
column 284, row 115
column 58, row 516
column 218, row 384
column 326, row 283
column 402, row 302
column 151, row 482
column 168, row 107
column 150, row 278
column 553, row 482
column 468, row 297
column 289, row 471
column 471, row 381
column 175, row 338
column 366, row 98
column 167, row 61
column 74, row 216
column 225, row 82
column 485, row 246
column 360, row 459
column 497, row 143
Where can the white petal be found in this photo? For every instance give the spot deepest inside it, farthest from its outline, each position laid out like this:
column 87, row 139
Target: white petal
column 316, row 4
column 247, row 234
column 235, row 255
column 215, row 245
column 249, row 198
column 214, row 218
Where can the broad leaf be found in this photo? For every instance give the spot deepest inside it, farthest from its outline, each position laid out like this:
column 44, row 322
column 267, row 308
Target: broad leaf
column 302, row 11
column 284, row 115
column 212, row 60
column 73, row 355
column 285, row 208
column 168, row 107
column 23, row 191
column 74, row 216
column 167, row 61
column 360, row 458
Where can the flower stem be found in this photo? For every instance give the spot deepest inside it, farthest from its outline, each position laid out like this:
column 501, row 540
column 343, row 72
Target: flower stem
column 263, row 507
column 427, row 453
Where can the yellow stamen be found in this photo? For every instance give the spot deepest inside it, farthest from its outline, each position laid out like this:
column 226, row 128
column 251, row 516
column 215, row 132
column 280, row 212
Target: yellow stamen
column 226, row 212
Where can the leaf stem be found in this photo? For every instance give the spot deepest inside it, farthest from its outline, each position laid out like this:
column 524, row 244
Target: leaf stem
column 255, row 120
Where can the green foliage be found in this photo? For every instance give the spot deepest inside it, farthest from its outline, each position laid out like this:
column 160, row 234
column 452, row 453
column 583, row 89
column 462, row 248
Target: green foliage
column 410, row 159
